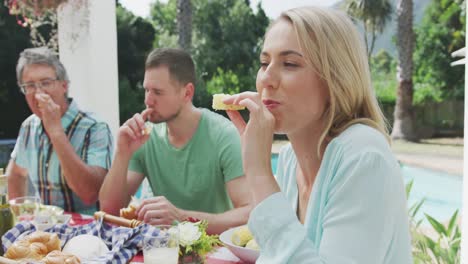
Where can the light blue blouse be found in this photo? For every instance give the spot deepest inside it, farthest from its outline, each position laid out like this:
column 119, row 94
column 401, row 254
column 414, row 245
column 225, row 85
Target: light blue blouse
column 357, row 211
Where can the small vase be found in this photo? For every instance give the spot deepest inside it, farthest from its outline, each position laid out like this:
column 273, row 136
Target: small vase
column 192, row 258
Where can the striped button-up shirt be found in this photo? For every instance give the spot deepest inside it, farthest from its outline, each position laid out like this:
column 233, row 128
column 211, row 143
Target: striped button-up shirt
column 92, row 141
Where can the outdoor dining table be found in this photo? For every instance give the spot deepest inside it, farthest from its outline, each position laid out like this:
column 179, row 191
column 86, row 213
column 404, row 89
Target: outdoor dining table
column 221, row 255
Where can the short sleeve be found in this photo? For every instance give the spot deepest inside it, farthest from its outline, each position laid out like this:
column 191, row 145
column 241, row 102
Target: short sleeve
column 17, row 155
column 136, row 163
column 99, row 151
column 230, row 154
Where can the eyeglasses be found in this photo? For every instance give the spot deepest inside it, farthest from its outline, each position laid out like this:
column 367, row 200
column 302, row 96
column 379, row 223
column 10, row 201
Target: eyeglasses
column 29, row 88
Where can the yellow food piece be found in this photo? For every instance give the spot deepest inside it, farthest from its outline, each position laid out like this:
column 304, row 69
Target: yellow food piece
column 241, row 236
column 252, row 244
column 147, row 129
column 219, row 105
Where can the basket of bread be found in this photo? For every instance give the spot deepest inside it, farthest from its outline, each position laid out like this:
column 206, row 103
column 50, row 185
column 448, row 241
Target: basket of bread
column 101, row 241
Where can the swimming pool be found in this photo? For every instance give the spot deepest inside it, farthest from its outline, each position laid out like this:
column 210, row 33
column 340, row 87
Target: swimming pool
column 443, row 191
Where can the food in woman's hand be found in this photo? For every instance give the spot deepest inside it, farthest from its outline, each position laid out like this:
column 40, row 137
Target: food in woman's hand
column 86, row 247
column 34, row 246
column 219, row 105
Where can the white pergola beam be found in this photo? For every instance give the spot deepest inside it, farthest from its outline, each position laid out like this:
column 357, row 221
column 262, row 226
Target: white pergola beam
column 88, row 48
column 459, row 53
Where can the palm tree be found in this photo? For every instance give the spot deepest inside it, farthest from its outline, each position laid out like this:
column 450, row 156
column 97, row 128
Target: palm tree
column 403, row 125
column 184, row 24
column 374, row 15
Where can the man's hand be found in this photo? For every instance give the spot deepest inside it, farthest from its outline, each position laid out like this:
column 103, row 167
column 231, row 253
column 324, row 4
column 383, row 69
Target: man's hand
column 50, row 113
column 131, row 136
column 159, row 211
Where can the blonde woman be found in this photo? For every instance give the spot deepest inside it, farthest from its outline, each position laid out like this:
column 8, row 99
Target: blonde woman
column 338, row 196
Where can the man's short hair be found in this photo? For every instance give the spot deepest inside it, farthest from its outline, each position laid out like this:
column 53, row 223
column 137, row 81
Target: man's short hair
column 180, row 64
column 42, row 56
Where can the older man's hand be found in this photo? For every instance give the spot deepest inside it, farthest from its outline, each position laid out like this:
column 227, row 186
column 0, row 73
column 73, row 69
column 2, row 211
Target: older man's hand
column 50, row 113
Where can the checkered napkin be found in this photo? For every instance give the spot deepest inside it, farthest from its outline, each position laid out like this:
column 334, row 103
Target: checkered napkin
column 123, row 242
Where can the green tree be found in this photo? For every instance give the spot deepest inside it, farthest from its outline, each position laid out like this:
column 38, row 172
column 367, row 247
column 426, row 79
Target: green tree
column 13, row 107
column 135, row 38
column 383, row 61
column 403, row 124
column 441, row 32
column 164, row 19
column 374, row 14
column 184, row 24
column 227, row 34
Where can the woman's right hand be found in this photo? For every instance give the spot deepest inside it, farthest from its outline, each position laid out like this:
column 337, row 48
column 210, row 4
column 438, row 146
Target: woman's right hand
column 257, row 139
column 131, row 134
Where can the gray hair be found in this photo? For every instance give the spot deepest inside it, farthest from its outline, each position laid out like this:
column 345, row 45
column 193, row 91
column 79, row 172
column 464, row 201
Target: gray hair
column 43, row 56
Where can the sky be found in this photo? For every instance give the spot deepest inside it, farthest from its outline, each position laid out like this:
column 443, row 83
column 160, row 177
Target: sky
column 272, row 7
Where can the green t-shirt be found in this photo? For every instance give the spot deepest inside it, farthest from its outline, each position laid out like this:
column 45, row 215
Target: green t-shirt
column 193, row 177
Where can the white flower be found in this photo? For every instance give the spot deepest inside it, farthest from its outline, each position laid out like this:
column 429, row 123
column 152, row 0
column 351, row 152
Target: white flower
column 188, row 233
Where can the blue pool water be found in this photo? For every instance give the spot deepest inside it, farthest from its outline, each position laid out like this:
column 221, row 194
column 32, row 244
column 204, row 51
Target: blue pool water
column 442, row 191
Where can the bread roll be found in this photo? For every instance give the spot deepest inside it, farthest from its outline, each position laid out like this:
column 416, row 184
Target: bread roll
column 219, row 105
column 58, row 257
column 50, row 240
column 129, row 212
column 34, row 246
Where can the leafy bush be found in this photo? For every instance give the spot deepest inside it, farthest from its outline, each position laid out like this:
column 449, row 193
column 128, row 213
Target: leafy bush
column 441, row 248
column 223, row 82
column 131, row 100
column 385, row 83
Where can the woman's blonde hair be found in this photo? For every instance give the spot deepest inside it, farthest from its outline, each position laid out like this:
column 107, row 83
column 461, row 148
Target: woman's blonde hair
column 333, row 46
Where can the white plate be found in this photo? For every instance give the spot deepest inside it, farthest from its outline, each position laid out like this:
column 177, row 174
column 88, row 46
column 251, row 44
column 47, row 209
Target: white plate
column 50, row 209
column 43, row 223
column 245, row 254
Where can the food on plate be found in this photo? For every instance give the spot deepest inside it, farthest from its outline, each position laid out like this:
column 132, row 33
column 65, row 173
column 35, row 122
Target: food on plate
column 252, row 244
column 34, row 246
column 86, row 247
column 241, row 236
column 219, row 105
column 50, row 210
column 58, row 257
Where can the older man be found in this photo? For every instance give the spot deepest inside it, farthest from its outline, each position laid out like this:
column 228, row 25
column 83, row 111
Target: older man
column 64, row 151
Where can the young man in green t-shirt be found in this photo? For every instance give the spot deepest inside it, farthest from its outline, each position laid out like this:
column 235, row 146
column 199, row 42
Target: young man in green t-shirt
column 191, row 157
